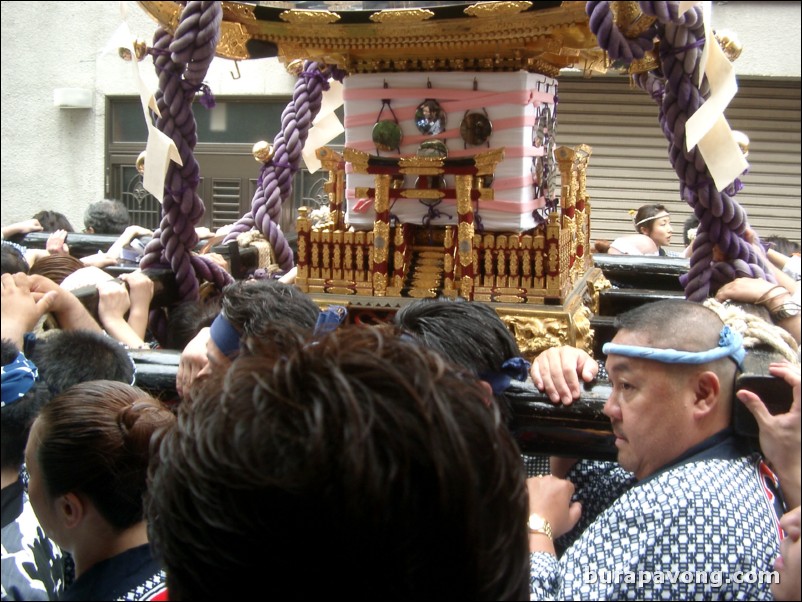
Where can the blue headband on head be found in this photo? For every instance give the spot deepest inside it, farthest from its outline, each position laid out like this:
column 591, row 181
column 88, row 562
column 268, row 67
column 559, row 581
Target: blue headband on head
column 515, row 368
column 225, row 336
column 329, row 320
column 18, row 378
column 730, row 344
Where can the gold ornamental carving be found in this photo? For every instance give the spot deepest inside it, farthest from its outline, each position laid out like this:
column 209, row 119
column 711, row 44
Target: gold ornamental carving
column 729, row 44
column 535, row 334
column 486, row 194
column 309, row 17
column 463, row 185
column 508, row 299
column 381, row 238
column 234, row 11
column 403, row 15
column 595, row 287
column 649, row 62
column 379, row 284
column 629, row 18
column 423, row 293
column 582, row 331
column 330, row 160
column 381, row 202
column 448, row 263
column 424, row 193
column 486, row 161
column 357, row 158
column 233, row 40
column 415, row 164
column 496, row 9
column 465, row 239
column 466, row 287
column 140, row 50
column 340, row 290
column 487, row 36
column 428, row 271
column 420, row 171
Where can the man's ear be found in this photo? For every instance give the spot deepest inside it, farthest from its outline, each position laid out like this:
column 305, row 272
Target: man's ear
column 89, row 230
column 71, row 510
column 487, row 393
column 706, row 394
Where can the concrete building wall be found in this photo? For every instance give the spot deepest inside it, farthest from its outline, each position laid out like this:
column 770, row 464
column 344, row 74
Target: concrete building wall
column 769, row 33
column 53, row 158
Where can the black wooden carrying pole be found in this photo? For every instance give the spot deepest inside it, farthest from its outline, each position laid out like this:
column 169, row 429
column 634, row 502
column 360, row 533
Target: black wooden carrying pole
column 642, row 271
column 579, row 430
column 82, row 244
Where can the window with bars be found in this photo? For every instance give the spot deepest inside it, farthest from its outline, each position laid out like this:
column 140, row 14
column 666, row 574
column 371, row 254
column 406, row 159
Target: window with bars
column 226, row 135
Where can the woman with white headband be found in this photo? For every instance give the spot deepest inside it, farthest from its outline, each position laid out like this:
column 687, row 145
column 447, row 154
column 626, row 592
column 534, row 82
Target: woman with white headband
column 653, row 224
column 654, row 221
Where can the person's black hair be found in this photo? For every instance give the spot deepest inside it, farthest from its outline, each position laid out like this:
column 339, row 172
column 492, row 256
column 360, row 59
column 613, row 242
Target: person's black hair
column 186, row 319
column 96, row 438
column 781, row 244
column 106, row 217
column 12, row 260
column 53, row 220
column 690, row 223
column 68, row 357
column 467, row 333
column 252, row 306
column 364, row 458
column 645, row 212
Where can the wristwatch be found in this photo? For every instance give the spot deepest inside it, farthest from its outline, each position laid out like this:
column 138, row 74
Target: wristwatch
column 785, row 311
column 539, row 525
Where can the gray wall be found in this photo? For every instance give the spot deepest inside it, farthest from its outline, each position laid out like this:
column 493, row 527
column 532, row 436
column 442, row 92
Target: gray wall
column 53, row 158
column 769, row 33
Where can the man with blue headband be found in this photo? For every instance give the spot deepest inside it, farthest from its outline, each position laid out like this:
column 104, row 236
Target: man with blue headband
column 690, row 511
column 251, row 308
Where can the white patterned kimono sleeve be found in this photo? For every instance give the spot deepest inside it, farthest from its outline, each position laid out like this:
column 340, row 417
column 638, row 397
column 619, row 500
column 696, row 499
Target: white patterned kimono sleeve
column 702, row 530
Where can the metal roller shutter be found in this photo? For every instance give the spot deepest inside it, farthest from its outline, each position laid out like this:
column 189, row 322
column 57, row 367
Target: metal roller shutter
column 629, row 166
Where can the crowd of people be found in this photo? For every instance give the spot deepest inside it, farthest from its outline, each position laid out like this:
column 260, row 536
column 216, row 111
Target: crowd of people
column 380, row 460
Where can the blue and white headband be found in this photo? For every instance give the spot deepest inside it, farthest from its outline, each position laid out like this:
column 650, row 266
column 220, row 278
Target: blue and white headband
column 18, row 378
column 515, row 368
column 730, row 344
column 329, row 320
column 225, row 336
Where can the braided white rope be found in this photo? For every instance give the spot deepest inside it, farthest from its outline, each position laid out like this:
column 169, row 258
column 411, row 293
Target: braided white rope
column 756, row 330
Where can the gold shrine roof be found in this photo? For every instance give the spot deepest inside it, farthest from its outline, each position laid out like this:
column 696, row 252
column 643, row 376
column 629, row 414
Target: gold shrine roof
column 543, row 37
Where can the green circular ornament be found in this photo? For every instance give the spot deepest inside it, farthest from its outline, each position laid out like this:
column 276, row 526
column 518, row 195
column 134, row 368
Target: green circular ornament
column 387, row 135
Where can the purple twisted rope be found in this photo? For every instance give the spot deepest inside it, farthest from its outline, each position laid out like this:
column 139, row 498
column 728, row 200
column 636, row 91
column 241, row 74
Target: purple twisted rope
column 722, row 219
column 276, row 176
column 182, row 62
